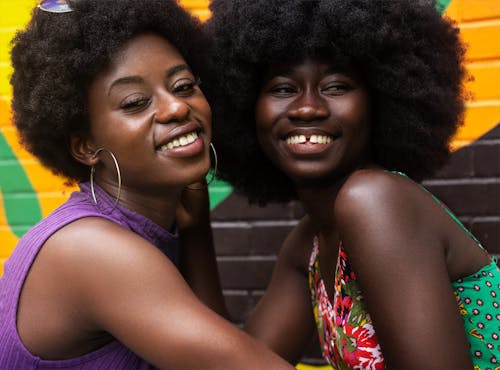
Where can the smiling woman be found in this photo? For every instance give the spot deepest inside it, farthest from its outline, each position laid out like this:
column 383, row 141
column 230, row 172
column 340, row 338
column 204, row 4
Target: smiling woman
column 113, row 104
column 336, row 104
column 157, row 98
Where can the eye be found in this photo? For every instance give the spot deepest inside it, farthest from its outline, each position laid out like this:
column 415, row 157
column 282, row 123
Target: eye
column 282, row 90
column 335, row 88
column 185, row 86
column 135, row 103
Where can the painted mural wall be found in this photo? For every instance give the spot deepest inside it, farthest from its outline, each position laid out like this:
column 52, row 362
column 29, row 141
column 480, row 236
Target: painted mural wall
column 29, row 192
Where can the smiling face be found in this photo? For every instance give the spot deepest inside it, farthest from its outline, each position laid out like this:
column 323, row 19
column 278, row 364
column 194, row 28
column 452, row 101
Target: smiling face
column 313, row 120
column 148, row 109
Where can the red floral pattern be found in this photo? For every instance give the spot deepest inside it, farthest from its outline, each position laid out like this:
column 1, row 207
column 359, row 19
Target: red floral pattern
column 345, row 329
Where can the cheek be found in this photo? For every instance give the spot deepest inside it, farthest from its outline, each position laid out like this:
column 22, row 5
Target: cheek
column 204, row 112
column 266, row 141
column 264, row 113
column 357, row 113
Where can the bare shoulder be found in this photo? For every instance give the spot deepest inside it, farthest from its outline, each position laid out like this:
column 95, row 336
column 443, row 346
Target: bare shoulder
column 100, row 262
column 370, row 187
column 375, row 192
column 97, row 250
column 92, row 245
column 376, row 206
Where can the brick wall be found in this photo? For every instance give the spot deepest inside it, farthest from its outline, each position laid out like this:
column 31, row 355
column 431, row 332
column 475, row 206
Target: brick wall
column 470, row 186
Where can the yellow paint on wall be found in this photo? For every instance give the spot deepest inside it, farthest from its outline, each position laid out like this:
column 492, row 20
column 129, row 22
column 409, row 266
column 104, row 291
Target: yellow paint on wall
column 464, row 10
column 482, row 39
column 480, row 117
column 7, row 237
column 16, row 13
column 486, row 83
column 5, row 115
column 198, row 8
column 311, row 367
column 479, row 22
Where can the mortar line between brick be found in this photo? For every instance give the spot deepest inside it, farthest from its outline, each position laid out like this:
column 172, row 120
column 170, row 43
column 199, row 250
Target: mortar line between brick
column 462, row 181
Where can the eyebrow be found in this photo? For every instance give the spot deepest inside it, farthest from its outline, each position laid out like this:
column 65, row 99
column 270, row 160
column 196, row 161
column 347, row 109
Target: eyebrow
column 173, row 70
column 137, row 79
column 283, row 72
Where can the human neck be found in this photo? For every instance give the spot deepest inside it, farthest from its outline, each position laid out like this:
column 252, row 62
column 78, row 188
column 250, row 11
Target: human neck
column 318, row 202
column 318, row 199
column 157, row 205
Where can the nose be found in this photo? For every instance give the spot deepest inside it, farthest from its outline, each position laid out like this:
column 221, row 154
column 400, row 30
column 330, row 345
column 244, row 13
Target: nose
column 171, row 109
column 308, row 106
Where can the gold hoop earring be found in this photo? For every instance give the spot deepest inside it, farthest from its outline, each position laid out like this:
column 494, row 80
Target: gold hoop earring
column 92, row 170
column 212, row 174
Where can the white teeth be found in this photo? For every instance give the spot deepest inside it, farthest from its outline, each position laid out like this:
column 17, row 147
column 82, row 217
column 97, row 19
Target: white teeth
column 313, row 139
column 181, row 141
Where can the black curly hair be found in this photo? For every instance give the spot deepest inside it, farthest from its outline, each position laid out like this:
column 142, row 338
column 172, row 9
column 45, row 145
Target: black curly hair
column 58, row 55
column 407, row 54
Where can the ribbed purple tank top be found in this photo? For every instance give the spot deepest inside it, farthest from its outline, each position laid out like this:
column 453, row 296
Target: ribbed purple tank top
column 113, row 356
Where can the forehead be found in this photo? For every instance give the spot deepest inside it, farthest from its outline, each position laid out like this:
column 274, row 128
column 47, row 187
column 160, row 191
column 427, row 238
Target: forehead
column 309, row 62
column 146, row 49
column 146, row 57
column 311, row 66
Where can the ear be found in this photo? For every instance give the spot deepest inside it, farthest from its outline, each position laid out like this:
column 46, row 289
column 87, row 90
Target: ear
column 82, row 149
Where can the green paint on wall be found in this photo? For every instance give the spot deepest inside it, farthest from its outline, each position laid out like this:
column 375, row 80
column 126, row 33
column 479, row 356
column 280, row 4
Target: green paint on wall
column 218, row 190
column 442, row 5
column 21, row 205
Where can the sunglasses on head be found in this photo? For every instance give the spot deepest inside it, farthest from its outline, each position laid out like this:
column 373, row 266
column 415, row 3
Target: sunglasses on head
column 55, row 6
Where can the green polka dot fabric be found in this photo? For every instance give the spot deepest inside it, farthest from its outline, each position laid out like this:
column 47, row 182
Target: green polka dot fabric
column 479, row 305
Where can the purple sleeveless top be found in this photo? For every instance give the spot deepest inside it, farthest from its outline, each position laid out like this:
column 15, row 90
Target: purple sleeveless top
column 112, row 356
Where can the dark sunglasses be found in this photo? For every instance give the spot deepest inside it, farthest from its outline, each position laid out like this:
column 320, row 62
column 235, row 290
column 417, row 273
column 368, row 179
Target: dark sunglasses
column 55, row 6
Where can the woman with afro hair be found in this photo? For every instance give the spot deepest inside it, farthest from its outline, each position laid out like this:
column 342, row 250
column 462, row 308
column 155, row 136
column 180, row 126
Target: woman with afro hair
column 345, row 105
column 120, row 276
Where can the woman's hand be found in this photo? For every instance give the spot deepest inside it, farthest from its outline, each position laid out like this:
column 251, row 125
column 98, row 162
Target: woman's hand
column 193, row 210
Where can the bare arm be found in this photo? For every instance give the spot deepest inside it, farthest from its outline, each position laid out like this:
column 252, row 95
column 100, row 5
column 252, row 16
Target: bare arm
column 283, row 318
column 388, row 228
column 123, row 285
column 197, row 255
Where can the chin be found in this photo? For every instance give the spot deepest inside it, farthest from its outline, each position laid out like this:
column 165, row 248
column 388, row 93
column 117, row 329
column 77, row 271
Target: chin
column 201, row 172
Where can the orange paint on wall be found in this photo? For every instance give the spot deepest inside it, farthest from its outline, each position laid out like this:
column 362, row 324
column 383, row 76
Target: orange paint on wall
column 479, row 22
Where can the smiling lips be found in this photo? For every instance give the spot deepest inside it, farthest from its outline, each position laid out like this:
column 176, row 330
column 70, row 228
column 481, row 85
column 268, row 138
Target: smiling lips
column 179, row 141
column 312, row 139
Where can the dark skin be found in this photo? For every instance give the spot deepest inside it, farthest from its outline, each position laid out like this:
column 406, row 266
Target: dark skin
column 404, row 249
column 105, row 282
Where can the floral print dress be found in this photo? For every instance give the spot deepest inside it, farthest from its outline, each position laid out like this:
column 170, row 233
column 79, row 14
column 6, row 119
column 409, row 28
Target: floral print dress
column 346, row 334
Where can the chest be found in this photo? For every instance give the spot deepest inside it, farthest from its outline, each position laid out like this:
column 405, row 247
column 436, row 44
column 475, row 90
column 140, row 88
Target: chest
column 328, row 249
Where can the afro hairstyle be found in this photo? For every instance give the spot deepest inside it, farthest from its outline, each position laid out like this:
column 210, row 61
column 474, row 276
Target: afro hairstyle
column 59, row 54
column 409, row 57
